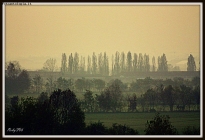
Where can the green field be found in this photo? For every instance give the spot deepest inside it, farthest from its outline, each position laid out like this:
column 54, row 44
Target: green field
column 138, row 120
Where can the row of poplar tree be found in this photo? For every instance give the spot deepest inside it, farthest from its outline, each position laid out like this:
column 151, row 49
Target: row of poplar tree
column 121, row 63
column 99, row 64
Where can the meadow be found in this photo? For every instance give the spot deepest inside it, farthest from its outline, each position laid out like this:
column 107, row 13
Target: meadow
column 137, row 121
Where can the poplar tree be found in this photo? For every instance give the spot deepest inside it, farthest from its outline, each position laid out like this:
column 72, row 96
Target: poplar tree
column 191, row 66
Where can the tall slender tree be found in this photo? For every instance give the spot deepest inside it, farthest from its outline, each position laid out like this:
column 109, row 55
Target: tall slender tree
column 162, row 63
column 105, row 64
column 82, row 64
column 191, row 66
column 122, row 62
column 153, row 64
column 70, row 64
column 129, row 62
column 64, row 63
column 112, row 65
column 117, row 63
column 135, row 63
column 94, row 64
column 140, row 62
column 76, row 63
column 100, row 64
column 146, row 63
column 89, row 65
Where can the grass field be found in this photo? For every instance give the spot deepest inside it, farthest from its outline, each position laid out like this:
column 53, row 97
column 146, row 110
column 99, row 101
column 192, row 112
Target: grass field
column 137, row 121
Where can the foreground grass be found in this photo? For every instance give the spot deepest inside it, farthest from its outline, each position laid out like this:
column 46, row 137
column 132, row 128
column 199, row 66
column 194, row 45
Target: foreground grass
column 137, row 121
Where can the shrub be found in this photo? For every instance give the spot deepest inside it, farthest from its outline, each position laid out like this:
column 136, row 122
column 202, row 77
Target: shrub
column 191, row 130
column 96, row 128
column 118, row 129
column 160, row 125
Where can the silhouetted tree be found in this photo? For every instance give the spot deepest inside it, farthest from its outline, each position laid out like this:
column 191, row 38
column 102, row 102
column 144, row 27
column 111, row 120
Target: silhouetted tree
column 50, row 84
column 16, row 80
column 185, row 96
column 129, row 62
column 170, row 97
column 50, row 65
column 94, row 64
column 24, row 81
column 13, row 69
column 117, row 63
column 99, row 84
column 111, row 98
column 146, row 63
column 191, row 66
column 64, row 63
column 89, row 84
column 76, row 63
column 80, row 84
column 135, row 63
column 162, row 63
column 70, row 64
column 140, row 62
column 151, row 97
column 63, row 84
column 113, row 73
column 160, row 125
column 122, row 62
column 153, row 64
column 89, row 68
column 100, row 64
column 35, row 118
column 89, row 101
column 58, row 115
column 37, row 83
column 132, row 102
column 67, row 112
column 105, row 64
column 123, row 86
column 82, row 65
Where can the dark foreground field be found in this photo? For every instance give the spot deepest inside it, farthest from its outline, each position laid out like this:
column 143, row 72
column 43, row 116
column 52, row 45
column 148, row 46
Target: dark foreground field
column 137, row 121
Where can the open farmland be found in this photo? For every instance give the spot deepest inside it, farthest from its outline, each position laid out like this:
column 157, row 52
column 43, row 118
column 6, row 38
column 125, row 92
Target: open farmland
column 137, row 121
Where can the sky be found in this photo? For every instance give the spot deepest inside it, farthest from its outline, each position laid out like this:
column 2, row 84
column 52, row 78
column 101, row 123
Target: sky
column 35, row 33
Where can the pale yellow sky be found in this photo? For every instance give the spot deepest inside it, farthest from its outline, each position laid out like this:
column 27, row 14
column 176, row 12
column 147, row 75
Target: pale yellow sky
column 35, row 33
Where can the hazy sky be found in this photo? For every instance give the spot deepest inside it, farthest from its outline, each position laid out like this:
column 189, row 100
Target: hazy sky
column 35, row 33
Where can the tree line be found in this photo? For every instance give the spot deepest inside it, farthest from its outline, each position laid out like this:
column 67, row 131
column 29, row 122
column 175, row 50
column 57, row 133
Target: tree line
column 120, row 63
column 155, row 98
column 114, row 96
column 60, row 114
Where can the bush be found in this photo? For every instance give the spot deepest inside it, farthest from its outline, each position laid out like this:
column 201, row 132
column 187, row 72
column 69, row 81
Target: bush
column 160, row 125
column 96, row 128
column 118, row 129
column 191, row 131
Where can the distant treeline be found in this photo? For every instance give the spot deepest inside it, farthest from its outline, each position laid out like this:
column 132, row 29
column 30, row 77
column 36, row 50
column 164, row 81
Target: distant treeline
column 114, row 95
column 125, row 75
column 120, row 63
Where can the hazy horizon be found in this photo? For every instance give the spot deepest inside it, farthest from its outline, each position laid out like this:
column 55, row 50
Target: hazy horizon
column 36, row 33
